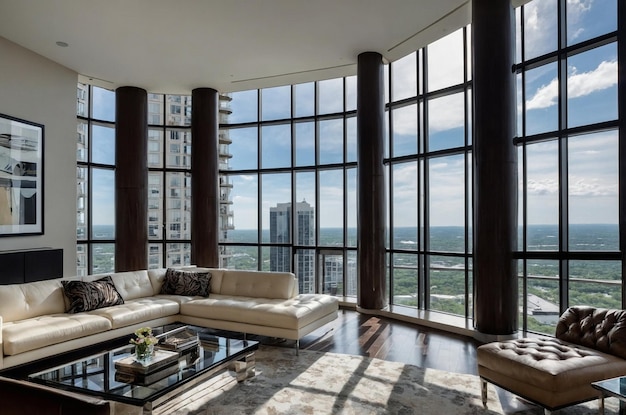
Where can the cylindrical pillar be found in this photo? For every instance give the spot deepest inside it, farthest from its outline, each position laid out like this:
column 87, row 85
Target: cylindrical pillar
column 370, row 182
column 131, row 178
column 495, row 169
column 204, row 178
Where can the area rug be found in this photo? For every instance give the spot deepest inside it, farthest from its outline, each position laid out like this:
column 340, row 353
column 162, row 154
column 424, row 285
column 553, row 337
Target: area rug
column 331, row 383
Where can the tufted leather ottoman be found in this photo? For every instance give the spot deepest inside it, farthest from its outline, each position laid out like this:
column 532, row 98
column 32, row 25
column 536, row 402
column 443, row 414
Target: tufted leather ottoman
column 553, row 372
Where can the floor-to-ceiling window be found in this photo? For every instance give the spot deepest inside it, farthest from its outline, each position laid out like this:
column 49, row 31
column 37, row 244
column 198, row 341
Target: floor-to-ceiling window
column 290, row 171
column 293, row 176
column 429, row 169
column 95, row 180
column 568, row 158
column 169, row 180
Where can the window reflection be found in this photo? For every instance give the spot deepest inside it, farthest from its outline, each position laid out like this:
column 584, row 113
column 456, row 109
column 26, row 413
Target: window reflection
column 330, row 96
column 244, row 106
column 446, row 61
column 276, row 146
column 542, row 89
column 593, row 191
column 540, row 28
column 404, row 77
column 304, row 99
column 305, row 143
column 592, row 86
column 276, row 103
column 446, row 122
column 588, row 19
column 331, row 141
column 542, row 196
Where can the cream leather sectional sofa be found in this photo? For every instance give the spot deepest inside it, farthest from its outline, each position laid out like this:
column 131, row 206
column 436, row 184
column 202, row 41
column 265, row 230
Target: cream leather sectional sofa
column 34, row 323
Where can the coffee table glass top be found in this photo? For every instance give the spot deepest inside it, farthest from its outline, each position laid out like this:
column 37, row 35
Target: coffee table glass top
column 96, row 374
column 615, row 387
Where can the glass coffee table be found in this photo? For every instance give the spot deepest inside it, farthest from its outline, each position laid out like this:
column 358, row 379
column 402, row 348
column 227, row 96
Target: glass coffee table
column 96, row 374
column 616, row 388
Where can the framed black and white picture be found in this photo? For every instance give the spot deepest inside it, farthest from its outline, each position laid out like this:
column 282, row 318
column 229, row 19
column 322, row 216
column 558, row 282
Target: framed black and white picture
column 21, row 177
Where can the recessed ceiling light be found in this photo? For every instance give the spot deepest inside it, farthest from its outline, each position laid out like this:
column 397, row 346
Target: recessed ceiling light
column 62, row 44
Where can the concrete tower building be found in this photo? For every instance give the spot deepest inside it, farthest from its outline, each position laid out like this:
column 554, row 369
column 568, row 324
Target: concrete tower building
column 303, row 234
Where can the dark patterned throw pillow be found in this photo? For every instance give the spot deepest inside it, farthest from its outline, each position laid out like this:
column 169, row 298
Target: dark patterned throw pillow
column 193, row 283
column 86, row 296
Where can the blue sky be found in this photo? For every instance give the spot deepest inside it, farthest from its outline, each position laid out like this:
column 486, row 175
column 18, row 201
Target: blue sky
column 592, row 97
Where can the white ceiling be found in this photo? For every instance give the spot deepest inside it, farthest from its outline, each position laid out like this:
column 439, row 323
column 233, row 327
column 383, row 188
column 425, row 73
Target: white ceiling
column 231, row 45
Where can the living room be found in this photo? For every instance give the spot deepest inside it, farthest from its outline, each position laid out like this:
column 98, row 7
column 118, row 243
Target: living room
column 433, row 263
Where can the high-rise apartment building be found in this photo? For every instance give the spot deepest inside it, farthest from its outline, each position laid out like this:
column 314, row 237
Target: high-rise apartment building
column 304, row 235
column 226, row 216
column 169, row 181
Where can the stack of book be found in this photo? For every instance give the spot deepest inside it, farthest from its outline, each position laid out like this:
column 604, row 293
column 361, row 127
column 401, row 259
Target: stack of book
column 162, row 364
column 178, row 340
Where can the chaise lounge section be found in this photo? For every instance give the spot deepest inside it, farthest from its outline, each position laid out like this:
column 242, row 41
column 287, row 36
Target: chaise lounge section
column 590, row 345
column 35, row 322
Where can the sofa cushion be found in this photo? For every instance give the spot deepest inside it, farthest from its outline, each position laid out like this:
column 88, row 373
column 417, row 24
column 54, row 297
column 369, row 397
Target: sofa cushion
column 35, row 333
column 158, row 275
column 137, row 311
column 130, row 284
column 274, row 285
column 23, row 301
column 289, row 314
column 182, row 282
column 86, row 296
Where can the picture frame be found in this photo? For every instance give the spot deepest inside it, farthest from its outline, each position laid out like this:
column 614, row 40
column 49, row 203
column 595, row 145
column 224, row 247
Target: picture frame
column 21, row 177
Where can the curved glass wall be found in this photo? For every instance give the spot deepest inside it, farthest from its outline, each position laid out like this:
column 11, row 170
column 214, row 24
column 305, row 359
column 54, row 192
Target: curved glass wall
column 568, row 159
column 290, row 169
column 293, row 172
column 95, row 180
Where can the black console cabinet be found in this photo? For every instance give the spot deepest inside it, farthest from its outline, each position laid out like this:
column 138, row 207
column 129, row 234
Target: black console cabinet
column 21, row 266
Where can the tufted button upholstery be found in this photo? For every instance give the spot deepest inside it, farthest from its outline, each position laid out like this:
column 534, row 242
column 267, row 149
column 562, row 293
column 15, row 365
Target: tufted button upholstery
column 590, row 345
column 598, row 328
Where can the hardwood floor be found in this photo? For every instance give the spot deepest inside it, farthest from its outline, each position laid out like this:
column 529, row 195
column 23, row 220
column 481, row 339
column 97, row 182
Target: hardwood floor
column 388, row 339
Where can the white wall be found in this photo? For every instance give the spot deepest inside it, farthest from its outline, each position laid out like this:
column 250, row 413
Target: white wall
column 36, row 89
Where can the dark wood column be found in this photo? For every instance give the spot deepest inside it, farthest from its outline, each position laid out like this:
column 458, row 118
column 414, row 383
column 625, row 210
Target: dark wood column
column 204, row 178
column 621, row 99
column 495, row 169
column 371, row 215
column 131, row 178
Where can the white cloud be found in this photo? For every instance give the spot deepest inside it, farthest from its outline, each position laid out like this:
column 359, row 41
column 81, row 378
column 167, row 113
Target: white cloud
column 590, row 187
column 446, row 113
column 542, row 187
column 575, row 11
column 603, row 77
column 405, row 121
column 578, row 85
column 539, row 27
column 545, row 97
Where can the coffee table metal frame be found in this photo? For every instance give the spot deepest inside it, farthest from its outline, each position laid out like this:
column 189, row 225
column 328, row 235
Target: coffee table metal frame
column 614, row 387
column 94, row 374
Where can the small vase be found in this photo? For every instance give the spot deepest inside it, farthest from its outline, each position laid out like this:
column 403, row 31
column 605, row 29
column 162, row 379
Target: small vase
column 143, row 353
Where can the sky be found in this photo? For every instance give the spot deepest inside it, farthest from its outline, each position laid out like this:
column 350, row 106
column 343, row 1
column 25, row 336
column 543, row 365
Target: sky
column 592, row 97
